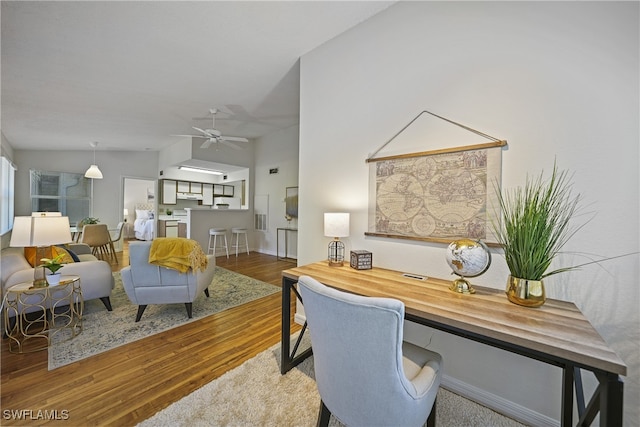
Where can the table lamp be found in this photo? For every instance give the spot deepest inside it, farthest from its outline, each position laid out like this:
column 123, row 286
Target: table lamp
column 40, row 231
column 336, row 225
column 126, row 214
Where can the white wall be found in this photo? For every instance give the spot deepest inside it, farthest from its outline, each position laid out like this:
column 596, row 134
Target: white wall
column 277, row 150
column 560, row 82
column 107, row 192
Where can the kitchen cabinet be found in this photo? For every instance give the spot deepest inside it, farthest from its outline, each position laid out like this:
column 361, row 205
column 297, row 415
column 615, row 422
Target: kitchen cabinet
column 171, row 188
column 222, row 190
column 196, row 187
column 207, row 194
column 169, row 192
column 184, row 187
column 171, row 228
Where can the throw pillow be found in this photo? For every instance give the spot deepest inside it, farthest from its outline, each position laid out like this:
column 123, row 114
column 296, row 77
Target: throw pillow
column 50, row 252
column 141, row 214
column 30, row 255
column 66, row 256
column 73, row 255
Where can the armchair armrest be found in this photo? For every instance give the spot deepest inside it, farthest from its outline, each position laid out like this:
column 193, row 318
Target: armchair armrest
column 80, row 248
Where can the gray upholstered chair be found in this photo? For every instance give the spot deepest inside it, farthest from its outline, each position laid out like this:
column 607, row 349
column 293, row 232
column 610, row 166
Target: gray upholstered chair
column 366, row 374
column 147, row 284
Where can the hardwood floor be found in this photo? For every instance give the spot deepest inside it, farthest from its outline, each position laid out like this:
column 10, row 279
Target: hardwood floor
column 130, row 383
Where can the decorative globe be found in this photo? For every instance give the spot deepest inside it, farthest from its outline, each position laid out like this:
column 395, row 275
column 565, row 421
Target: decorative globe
column 467, row 258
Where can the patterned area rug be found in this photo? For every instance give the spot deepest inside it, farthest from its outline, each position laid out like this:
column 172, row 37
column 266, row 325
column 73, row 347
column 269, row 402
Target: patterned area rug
column 104, row 330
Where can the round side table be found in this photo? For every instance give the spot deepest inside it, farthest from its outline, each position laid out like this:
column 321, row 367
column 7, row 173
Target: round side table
column 34, row 315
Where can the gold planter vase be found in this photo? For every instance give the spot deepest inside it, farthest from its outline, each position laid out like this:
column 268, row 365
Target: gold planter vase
column 528, row 293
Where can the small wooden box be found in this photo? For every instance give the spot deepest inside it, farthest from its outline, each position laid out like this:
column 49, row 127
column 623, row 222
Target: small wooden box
column 361, row 260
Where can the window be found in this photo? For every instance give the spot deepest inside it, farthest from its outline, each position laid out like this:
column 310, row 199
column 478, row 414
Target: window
column 69, row 193
column 7, row 184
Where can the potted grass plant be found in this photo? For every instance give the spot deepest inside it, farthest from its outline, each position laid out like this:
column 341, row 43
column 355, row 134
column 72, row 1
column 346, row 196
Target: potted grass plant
column 536, row 224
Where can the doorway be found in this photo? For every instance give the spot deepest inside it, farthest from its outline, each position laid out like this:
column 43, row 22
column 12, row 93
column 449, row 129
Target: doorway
column 136, row 192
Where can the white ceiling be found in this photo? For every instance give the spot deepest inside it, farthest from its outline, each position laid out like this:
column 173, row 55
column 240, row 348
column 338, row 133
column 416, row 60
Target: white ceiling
column 131, row 74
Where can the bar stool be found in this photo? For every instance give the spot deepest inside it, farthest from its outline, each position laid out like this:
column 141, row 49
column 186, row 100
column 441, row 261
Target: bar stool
column 236, row 231
column 215, row 232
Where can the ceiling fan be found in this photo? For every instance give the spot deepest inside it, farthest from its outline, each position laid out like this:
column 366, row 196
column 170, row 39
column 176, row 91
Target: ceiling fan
column 213, row 135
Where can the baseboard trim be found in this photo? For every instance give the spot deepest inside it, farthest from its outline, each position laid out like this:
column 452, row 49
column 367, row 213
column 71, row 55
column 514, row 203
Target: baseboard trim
column 497, row 403
column 299, row 319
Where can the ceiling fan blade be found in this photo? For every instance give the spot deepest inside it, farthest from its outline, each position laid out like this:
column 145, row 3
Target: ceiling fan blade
column 201, row 130
column 230, row 144
column 234, row 138
column 207, row 143
column 192, row 136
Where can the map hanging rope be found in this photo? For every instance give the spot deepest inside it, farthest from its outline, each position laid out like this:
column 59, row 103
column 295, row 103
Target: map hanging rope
column 477, row 132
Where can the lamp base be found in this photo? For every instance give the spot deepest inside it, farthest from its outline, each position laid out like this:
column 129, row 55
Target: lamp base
column 39, row 275
column 40, row 283
column 336, row 253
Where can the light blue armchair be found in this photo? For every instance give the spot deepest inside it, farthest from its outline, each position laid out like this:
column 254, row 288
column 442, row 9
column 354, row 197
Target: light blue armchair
column 366, row 374
column 146, row 283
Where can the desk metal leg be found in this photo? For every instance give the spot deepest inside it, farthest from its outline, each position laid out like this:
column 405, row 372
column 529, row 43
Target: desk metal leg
column 289, row 360
column 611, row 399
column 566, row 414
column 607, row 399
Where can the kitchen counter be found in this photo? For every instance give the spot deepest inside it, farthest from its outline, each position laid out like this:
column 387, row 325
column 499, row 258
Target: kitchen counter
column 201, row 219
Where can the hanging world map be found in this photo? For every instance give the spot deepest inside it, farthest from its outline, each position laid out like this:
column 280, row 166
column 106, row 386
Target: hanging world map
column 439, row 196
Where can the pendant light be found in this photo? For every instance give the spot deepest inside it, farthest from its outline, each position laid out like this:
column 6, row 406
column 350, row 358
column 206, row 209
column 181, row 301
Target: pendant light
column 93, row 172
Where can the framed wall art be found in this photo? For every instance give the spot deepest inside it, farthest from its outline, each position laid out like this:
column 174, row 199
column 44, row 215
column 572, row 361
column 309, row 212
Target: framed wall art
column 439, row 195
column 291, row 202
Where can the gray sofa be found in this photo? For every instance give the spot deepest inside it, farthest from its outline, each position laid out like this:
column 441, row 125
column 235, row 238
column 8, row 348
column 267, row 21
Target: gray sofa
column 96, row 278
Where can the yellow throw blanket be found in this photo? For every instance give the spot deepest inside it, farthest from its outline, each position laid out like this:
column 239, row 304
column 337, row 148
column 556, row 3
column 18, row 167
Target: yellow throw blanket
column 177, row 253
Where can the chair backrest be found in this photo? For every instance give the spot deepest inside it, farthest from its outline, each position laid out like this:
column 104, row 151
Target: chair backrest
column 357, row 348
column 95, row 235
column 118, row 231
column 145, row 274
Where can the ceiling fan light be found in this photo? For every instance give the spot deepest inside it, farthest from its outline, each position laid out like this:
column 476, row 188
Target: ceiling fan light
column 93, row 172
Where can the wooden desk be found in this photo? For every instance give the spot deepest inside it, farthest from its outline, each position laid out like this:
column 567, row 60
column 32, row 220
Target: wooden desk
column 556, row 333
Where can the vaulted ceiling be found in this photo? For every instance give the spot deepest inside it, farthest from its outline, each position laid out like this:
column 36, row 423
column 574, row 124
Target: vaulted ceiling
column 129, row 75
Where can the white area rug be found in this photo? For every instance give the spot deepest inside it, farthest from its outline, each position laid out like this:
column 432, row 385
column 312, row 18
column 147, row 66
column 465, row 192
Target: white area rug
column 256, row 394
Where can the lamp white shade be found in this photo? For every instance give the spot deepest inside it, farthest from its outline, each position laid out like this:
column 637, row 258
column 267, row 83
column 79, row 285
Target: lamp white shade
column 126, row 212
column 93, row 172
column 40, row 231
column 336, row 224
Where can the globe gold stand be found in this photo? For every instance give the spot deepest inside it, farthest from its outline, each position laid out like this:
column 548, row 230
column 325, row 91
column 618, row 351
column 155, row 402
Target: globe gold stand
column 462, row 286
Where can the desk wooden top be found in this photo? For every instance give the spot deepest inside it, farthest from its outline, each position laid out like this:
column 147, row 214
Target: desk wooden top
column 557, row 328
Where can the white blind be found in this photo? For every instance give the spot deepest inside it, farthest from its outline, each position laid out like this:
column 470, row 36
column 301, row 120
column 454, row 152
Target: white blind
column 7, row 183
